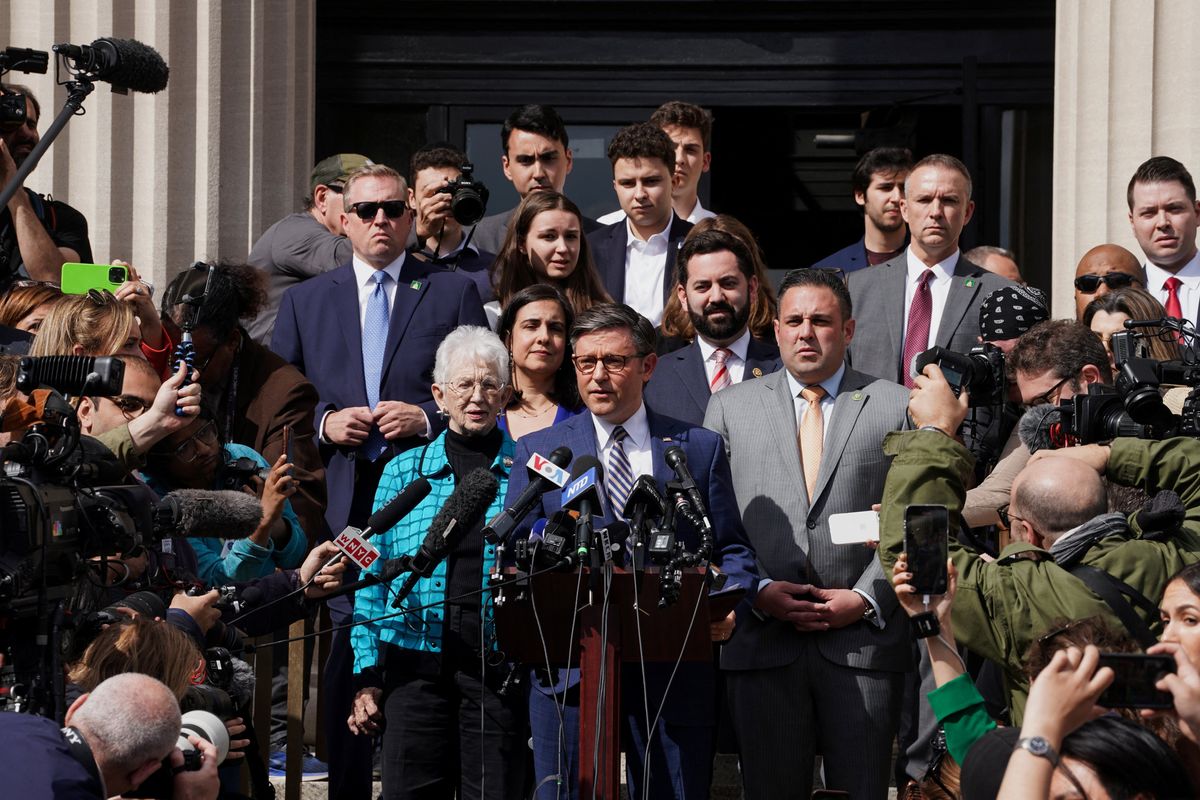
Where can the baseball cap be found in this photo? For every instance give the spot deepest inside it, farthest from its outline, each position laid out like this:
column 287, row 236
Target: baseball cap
column 336, row 169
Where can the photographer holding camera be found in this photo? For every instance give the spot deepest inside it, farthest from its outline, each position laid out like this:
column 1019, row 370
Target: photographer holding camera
column 113, row 739
column 1067, row 549
column 441, row 191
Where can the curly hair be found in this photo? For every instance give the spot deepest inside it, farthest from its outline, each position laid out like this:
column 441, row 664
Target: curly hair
column 236, row 293
column 642, row 140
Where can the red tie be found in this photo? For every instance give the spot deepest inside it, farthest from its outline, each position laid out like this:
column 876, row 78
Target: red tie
column 916, row 338
column 720, row 378
column 1172, row 285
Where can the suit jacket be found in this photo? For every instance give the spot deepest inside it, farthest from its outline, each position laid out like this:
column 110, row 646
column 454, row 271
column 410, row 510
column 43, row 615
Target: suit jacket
column 790, row 536
column 679, row 386
column 318, row 331
column 878, row 297
column 706, row 459
column 608, row 251
column 848, row 259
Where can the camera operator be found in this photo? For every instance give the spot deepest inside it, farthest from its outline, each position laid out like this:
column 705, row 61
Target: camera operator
column 1052, row 361
column 37, row 234
column 1057, row 515
column 114, row 738
column 432, row 175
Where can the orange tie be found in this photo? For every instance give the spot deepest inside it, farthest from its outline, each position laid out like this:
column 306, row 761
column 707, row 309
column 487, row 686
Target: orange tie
column 812, row 437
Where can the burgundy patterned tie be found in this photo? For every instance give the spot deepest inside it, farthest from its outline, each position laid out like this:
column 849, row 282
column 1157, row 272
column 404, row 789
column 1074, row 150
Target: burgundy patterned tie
column 916, row 338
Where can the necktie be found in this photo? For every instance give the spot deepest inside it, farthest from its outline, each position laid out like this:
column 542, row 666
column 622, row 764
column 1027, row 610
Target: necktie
column 812, row 436
column 618, row 481
column 374, row 343
column 720, row 378
column 1174, row 309
column 916, row 338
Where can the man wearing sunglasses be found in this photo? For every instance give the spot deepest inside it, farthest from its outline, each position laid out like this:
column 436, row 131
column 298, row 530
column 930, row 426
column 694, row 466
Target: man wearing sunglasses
column 365, row 335
column 1103, row 269
column 307, row 243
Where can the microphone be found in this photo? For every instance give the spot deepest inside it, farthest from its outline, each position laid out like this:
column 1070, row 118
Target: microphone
column 125, row 63
column 385, row 518
column 200, row 512
column 556, row 535
column 466, row 505
column 544, row 474
column 73, row 375
column 392, row 568
column 644, row 499
column 582, row 495
column 1040, row 428
column 677, row 460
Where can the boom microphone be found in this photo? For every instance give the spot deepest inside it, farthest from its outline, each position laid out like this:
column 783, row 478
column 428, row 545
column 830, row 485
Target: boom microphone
column 199, row 512
column 1040, row 428
column 125, row 63
column 466, row 506
column 544, row 474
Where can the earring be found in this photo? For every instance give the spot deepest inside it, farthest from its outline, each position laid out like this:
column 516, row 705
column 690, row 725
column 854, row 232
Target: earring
column 441, row 412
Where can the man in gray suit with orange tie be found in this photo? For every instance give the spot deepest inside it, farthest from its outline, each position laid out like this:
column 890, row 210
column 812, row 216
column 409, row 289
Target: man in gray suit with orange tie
column 816, row 665
column 929, row 294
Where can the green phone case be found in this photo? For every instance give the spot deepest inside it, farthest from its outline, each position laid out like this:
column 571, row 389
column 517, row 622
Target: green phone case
column 79, row 278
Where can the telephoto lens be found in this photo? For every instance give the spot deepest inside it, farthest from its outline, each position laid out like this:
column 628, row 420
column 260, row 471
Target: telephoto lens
column 207, row 726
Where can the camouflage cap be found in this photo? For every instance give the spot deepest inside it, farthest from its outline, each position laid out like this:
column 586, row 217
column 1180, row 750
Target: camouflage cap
column 334, row 170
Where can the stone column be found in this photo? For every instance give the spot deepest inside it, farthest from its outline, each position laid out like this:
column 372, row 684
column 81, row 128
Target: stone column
column 1124, row 90
column 201, row 169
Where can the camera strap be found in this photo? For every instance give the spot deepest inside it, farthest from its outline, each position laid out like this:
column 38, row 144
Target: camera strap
column 1114, row 591
column 78, row 747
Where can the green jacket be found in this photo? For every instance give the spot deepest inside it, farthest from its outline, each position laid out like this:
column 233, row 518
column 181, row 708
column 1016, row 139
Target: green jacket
column 1003, row 607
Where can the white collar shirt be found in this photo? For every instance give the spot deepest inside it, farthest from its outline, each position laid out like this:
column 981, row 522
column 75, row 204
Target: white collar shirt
column 637, row 442
column 735, row 363
column 365, row 281
column 1189, row 289
column 645, row 272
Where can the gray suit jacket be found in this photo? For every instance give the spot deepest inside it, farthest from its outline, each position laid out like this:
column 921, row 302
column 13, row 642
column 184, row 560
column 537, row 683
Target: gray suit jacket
column 757, row 419
column 491, row 230
column 878, row 297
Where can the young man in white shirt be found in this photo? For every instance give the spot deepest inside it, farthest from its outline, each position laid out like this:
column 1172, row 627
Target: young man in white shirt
column 1164, row 215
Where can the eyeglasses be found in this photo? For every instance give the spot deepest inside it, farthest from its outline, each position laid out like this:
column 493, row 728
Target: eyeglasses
column 465, row 387
column 1005, row 517
column 130, row 406
column 188, row 451
column 367, row 209
column 613, row 364
column 1050, row 395
column 1088, row 284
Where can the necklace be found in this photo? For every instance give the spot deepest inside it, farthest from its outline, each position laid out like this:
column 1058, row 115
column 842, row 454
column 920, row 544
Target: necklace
column 523, row 415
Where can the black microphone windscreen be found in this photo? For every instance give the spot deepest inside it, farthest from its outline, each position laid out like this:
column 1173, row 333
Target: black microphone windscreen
column 223, row 514
column 132, row 65
column 584, row 463
column 561, row 456
column 1034, row 427
column 674, row 455
column 251, row 596
column 400, row 506
column 466, row 506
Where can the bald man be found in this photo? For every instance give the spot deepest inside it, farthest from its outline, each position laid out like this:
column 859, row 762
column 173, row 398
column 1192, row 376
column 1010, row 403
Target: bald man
column 1101, row 270
column 996, row 260
column 1057, row 515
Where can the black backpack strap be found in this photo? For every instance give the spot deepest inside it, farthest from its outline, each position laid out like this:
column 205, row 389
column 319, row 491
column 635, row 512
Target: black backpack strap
column 1114, row 592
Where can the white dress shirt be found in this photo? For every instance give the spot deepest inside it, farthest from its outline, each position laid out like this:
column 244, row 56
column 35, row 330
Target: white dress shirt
column 735, row 364
column 637, row 443
column 939, row 290
column 699, row 212
column 1189, row 290
column 645, row 271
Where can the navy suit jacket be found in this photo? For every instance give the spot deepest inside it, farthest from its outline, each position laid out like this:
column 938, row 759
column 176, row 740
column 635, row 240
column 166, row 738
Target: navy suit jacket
column 318, row 331
column 679, row 386
column 710, row 467
column 608, row 252
column 847, row 259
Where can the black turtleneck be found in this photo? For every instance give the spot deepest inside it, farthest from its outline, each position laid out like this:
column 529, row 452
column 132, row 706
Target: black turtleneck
column 464, row 567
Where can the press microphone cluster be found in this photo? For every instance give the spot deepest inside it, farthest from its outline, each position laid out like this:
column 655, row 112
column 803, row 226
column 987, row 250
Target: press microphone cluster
column 545, row 474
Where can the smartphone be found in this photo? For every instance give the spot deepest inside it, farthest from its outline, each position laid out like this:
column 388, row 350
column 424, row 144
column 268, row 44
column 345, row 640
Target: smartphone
column 1135, row 676
column 287, row 442
column 79, row 278
column 854, row 527
column 926, row 541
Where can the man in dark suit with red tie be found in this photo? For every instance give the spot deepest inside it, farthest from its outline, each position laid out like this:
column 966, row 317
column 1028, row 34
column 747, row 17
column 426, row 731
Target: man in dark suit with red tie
column 715, row 282
column 365, row 335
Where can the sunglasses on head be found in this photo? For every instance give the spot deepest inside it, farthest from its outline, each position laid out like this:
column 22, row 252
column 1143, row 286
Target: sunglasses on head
column 1088, row 284
column 367, row 209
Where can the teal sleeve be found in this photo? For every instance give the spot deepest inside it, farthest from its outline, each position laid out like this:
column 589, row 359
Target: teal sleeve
column 959, row 708
column 292, row 554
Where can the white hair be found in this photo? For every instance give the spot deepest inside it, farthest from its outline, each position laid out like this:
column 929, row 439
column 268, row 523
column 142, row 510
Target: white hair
column 469, row 345
column 129, row 719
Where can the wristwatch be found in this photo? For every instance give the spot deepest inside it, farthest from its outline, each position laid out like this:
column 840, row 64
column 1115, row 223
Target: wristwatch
column 869, row 613
column 1037, row 746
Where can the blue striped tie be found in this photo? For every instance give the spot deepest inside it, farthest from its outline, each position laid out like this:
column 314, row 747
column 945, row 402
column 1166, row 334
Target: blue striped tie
column 619, row 481
column 374, row 343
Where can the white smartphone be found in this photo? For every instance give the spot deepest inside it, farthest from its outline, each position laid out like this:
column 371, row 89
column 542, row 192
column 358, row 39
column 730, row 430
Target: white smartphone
column 854, row 527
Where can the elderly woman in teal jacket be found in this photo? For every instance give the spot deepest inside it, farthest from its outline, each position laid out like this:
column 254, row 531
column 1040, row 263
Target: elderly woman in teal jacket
column 433, row 674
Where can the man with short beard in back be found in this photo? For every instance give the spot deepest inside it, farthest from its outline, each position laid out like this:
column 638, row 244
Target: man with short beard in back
column 717, row 285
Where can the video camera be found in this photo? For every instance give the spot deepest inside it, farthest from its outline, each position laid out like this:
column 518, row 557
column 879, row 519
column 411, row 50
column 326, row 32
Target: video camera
column 468, row 197
column 980, row 372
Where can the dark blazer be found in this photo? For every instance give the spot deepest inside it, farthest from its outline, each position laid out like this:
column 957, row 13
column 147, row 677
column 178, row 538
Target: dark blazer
column 706, row 459
column 608, row 252
column 318, row 331
column 679, row 386
column 878, row 297
column 847, row 259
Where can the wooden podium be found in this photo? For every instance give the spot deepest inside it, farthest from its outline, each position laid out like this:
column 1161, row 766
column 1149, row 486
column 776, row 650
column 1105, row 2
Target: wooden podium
column 599, row 649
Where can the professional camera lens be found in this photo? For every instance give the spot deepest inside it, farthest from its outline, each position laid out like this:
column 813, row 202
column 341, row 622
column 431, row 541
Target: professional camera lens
column 468, row 197
column 208, row 727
